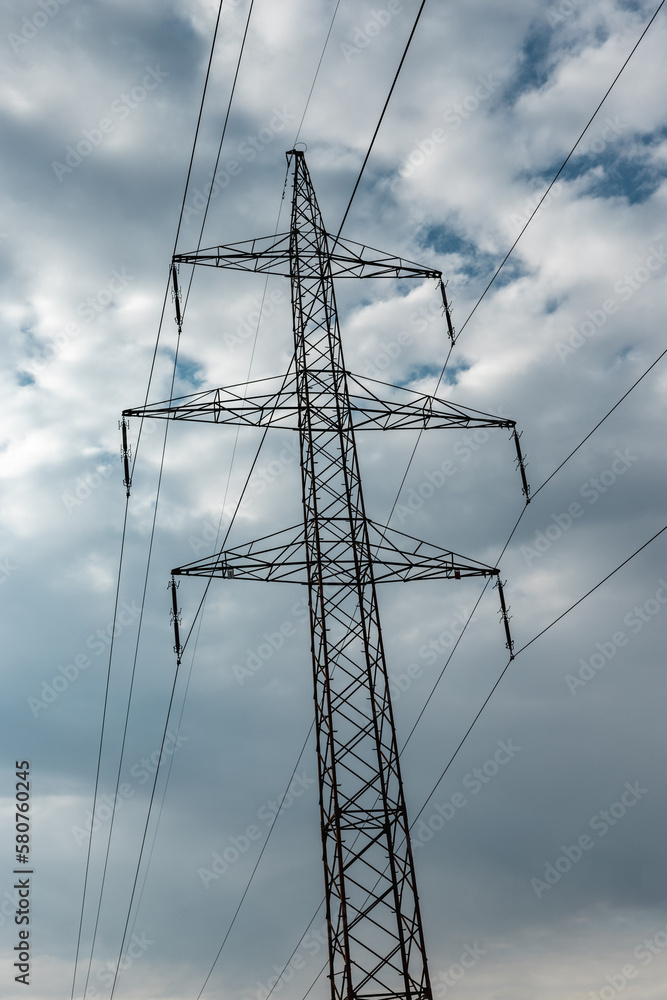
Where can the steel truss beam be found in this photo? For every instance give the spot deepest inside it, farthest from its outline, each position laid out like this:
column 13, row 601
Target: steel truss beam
column 282, row 558
column 274, row 403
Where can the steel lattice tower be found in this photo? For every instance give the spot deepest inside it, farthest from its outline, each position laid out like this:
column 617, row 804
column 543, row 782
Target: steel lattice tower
column 376, row 942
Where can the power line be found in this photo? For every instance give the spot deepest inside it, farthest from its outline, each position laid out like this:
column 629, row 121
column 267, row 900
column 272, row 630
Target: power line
column 99, row 754
column 524, row 647
column 470, row 616
column 139, row 631
column 86, row 876
column 261, row 854
column 180, row 215
column 509, row 252
column 561, row 168
column 123, row 535
column 382, row 113
column 202, row 602
column 574, row 450
column 317, row 72
column 500, row 677
column 131, row 690
column 511, row 535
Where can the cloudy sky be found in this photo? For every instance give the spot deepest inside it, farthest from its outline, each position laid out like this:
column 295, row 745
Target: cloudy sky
column 540, row 854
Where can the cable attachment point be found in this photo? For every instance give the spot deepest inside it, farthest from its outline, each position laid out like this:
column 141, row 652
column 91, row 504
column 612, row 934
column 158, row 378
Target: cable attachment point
column 521, row 465
column 175, row 620
column 505, row 618
column 176, row 296
column 126, row 455
column 447, row 313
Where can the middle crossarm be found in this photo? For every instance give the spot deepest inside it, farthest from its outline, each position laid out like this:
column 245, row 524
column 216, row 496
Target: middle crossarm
column 271, row 255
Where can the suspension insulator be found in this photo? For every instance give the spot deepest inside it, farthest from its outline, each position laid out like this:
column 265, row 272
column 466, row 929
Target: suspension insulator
column 125, row 454
column 505, row 619
column 177, row 297
column 445, row 303
column 521, row 465
column 175, row 617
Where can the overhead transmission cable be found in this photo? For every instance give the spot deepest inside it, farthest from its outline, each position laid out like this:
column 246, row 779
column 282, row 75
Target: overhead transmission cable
column 317, row 73
column 377, row 129
column 560, row 170
column 256, row 866
column 258, row 451
column 131, row 689
column 99, row 754
column 451, row 346
column 470, row 616
column 480, row 299
column 122, row 548
column 538, row 490
column 180, row 217
column 154, row 519
column 495, row 686
column 382, row 114
column 524, row 647
column 148, row 817
column 512, row 248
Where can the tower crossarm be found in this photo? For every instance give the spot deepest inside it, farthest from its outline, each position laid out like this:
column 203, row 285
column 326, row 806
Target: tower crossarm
column 274, row 404
column 271, row 255
column 281, row 558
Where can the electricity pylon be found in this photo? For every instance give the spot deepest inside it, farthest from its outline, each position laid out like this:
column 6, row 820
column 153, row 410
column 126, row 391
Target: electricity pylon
column 376, row 942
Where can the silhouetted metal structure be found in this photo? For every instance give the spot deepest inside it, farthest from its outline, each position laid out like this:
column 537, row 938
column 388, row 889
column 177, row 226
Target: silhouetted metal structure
column 376, row 943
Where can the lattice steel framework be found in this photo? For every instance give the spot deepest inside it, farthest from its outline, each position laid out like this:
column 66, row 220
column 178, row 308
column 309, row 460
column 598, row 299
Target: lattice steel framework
column 376, row 943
